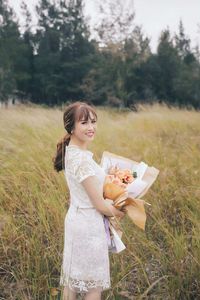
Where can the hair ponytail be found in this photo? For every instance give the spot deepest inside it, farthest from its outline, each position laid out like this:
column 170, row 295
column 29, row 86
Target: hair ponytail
column 59, row 158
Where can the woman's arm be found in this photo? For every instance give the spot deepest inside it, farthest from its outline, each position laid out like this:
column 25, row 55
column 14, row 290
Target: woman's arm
column 91, row 185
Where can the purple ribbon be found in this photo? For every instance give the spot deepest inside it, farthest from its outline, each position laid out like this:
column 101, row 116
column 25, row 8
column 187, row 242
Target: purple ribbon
column 106, row 223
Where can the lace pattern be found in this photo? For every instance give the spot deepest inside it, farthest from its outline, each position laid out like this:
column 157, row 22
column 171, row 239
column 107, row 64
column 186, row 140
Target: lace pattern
column 85, row 263
column 85, row 257
column 79, row 164
column 84, row 170
column 82, row 286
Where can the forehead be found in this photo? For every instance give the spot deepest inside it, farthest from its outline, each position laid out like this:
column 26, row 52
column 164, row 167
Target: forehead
column 84, row 113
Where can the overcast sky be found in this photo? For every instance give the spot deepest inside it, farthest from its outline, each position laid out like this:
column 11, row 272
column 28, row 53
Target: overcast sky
column 153, row 15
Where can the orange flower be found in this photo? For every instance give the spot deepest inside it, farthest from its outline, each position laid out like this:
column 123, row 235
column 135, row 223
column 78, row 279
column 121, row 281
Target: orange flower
column 124, row 175
column 128, row 177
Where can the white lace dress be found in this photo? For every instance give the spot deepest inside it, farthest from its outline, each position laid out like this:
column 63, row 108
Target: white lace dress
column 85, row 263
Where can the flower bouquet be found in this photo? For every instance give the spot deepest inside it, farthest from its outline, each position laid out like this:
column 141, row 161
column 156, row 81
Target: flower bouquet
column 125, row 183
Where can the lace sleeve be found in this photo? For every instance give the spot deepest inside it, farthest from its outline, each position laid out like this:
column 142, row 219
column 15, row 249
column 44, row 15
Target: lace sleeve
column 84, row 169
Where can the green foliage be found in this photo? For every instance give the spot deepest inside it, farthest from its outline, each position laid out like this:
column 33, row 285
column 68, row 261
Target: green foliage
column 9, row 39
column 64, row 52
column 59, row 62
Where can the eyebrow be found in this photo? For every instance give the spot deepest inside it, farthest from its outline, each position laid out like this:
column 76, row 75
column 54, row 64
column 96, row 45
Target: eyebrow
column 84, row 120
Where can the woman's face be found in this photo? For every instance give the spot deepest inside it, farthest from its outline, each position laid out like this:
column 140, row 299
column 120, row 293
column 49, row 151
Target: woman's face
column 85, row 130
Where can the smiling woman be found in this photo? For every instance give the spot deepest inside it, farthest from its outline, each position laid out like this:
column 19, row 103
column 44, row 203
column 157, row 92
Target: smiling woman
column 85, row 267
column 85, row 118
column 85, row 128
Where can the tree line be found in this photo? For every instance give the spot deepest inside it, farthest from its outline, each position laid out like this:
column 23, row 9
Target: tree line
column 60, row 62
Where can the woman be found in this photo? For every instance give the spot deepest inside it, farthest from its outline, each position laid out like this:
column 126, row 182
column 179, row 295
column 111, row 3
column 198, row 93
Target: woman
column 85, row 267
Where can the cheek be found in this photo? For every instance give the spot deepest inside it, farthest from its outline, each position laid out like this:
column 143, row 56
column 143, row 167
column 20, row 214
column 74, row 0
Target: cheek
column 78, row 126
column 81, row 130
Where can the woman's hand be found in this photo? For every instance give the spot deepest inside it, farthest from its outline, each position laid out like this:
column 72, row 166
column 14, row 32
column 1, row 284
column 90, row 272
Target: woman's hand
column 116, row 212
column 123, row 212
column 119, row 213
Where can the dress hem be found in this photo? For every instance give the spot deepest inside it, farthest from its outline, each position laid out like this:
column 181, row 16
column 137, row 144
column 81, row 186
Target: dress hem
column 81, row 286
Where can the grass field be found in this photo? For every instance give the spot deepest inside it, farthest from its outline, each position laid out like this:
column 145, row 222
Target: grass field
column 161, row 263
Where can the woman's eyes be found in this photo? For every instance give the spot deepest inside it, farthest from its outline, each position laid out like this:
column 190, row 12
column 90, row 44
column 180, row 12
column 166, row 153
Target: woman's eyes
column 86, row 122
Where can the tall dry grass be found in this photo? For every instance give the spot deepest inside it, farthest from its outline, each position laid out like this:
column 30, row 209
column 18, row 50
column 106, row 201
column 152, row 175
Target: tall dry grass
column 161, row 263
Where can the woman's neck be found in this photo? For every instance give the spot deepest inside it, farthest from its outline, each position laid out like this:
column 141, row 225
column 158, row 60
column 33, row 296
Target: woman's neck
column 75, row 142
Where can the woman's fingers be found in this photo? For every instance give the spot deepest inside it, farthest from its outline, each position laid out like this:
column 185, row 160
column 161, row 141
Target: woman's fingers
column 123, row 209
column 122, row 214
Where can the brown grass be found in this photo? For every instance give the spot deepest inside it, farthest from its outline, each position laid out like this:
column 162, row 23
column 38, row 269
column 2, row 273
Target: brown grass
column 161, row 263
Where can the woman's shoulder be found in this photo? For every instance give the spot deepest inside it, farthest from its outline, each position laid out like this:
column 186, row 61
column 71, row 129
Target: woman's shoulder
column 79, row 163
column 75, row 155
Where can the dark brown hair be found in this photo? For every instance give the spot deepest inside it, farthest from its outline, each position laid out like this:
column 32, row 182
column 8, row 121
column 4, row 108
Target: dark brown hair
column 74, row 112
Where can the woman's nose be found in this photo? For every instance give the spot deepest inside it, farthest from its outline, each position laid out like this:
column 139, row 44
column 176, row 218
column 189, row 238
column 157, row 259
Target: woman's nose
column 91, row 126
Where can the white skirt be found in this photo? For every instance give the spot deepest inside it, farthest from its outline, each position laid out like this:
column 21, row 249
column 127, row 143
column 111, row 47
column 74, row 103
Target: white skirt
column 85, row 263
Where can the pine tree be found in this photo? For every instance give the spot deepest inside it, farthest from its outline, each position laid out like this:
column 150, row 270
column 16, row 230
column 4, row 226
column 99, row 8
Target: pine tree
column 9, row 38
column 63, row 55
column 182, row 44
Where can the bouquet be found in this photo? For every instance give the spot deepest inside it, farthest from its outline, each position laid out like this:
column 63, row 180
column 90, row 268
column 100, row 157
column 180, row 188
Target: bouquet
column 125, row 183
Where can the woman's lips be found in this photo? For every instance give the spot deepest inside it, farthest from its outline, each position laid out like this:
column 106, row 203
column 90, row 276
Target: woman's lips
column 90, row 134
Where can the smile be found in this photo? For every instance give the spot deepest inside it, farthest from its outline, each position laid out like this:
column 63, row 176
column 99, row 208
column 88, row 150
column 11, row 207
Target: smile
column 90, row 134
